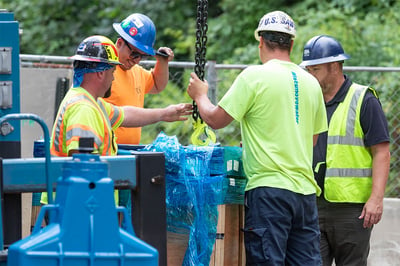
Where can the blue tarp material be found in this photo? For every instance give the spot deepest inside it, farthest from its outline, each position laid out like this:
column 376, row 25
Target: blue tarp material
column 195, row 178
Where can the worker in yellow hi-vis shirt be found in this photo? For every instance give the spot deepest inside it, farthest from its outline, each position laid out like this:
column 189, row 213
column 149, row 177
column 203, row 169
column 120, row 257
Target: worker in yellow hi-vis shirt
column 83, row 112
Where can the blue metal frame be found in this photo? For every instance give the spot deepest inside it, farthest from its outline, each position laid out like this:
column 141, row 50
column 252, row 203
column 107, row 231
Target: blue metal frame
column 10, row 144
column 10, row 28
column 27, row 175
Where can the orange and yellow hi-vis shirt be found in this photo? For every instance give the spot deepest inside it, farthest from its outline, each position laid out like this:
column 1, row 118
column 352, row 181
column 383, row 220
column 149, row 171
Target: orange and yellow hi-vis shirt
column 80, row 115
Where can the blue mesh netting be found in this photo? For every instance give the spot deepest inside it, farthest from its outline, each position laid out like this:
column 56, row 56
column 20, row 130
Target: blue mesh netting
column 195, row 178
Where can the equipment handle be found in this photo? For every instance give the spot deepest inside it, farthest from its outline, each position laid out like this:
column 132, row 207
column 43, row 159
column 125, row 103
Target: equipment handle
column 126, row 223
column 46, row 145
column 42, row 214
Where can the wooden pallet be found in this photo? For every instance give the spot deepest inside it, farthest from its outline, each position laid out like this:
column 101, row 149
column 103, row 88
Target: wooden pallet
column 229, row 245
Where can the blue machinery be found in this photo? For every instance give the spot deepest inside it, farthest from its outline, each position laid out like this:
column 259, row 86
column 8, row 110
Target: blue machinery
column 83, row 191
column 10, row 144
column 94, row 221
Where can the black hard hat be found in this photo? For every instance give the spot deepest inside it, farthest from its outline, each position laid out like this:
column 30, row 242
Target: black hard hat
column 97, row 48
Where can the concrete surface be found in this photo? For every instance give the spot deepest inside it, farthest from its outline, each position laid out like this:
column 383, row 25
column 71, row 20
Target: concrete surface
column 385, row 239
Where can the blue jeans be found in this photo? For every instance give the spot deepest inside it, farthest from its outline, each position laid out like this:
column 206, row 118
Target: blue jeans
column 281, row 228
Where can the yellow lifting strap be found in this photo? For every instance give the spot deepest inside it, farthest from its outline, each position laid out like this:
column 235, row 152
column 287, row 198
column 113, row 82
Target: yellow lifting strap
column 202, row 134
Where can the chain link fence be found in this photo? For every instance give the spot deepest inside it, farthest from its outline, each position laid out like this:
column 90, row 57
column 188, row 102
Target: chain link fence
column 220, row 78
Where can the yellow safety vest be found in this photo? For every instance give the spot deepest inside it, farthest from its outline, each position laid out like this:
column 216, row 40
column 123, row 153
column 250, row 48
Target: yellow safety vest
column 63, row 134
column 348, row 175
column 104, row 141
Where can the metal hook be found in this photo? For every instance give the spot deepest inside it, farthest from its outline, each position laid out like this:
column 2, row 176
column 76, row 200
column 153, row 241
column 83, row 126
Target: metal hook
column 201, row 129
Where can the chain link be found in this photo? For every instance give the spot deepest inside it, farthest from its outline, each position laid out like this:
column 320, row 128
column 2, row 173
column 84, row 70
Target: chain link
column 201, row 48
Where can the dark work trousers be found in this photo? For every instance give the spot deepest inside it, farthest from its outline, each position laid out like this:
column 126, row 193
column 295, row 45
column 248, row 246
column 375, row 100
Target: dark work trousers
column 344, row 240
column 281, row 228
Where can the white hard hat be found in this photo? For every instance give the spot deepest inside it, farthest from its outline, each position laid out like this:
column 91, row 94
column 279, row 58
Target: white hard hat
column 276, row 21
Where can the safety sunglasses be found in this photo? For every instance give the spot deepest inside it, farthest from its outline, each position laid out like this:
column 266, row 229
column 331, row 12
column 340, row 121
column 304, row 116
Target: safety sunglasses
column 134, row 54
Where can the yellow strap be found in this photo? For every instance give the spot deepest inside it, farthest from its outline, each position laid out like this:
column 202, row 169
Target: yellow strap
column 202, row 134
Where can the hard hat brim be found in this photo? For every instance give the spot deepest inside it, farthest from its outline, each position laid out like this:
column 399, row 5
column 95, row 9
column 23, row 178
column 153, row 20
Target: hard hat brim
column 144, row 48
column 92, row 59
column 258, row 36
column 320, row 61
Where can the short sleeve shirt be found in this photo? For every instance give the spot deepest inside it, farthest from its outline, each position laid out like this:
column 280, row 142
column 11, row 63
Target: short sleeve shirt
column 129, row 88
column 280, row 107
column 80, row 115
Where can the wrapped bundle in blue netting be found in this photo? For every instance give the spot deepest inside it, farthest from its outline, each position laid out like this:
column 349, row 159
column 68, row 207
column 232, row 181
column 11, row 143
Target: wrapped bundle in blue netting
column 235, row 183
column 234, row 190
column 194, row 188
column 217, row 165
column 173, row 151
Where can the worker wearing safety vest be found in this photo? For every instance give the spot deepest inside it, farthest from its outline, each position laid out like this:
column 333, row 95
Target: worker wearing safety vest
column 351, row 161
column 137, row 35
column 83, row 112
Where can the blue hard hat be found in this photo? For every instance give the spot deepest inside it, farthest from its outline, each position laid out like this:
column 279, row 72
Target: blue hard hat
column 138, row 30
column 322, row 49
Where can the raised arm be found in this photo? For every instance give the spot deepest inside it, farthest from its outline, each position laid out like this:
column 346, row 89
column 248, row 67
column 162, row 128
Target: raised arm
column 161, row 70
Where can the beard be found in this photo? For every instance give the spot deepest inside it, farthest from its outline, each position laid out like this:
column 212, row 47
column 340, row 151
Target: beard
column 108, row 93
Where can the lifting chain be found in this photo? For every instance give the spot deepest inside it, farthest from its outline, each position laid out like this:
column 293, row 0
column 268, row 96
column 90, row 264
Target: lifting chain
column 202, row 135
column 201, row 42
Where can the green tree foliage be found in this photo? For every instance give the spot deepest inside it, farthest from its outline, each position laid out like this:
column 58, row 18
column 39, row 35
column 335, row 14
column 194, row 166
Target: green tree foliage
column 55, row 27
column 367, row 29
column 231, row 34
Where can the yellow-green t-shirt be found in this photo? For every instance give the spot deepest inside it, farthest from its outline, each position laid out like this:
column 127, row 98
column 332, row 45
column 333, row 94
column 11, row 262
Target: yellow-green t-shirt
column 280, row 107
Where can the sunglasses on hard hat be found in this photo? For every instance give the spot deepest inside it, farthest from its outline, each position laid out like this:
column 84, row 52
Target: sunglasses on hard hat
column 134, row 54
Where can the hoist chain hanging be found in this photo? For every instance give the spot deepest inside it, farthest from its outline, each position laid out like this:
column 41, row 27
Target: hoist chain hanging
column 201, row 42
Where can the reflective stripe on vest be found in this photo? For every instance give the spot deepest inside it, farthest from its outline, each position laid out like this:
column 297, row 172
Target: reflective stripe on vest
column 348, row 175
column 115, row 114
column 59, row 145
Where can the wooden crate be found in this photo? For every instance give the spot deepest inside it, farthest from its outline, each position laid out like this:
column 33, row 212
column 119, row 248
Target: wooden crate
column 229, row 245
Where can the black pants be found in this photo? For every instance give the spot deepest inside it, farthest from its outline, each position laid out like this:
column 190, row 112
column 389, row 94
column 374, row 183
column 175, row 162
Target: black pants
column 343, row 237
